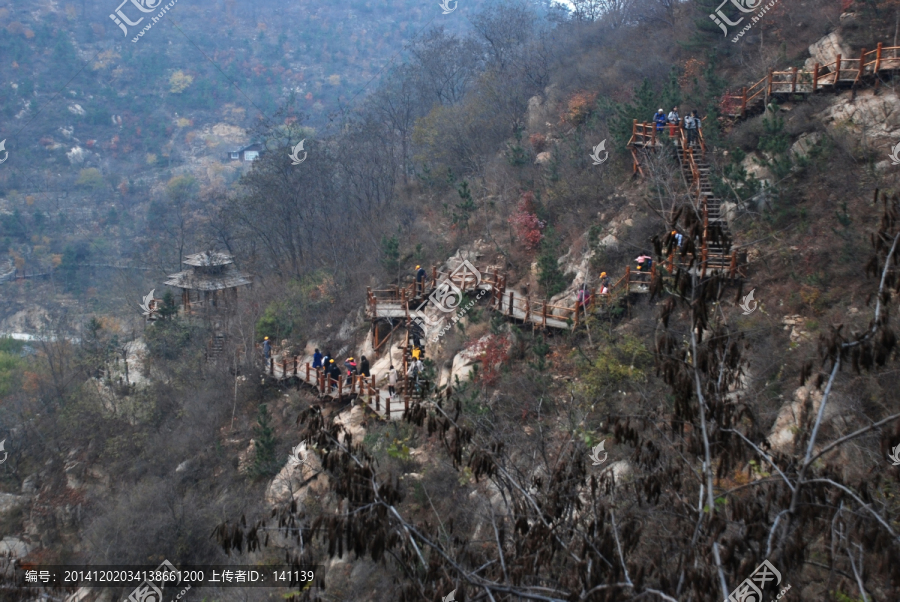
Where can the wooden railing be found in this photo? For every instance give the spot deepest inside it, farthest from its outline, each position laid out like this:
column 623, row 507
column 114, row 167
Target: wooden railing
column 346, row 387
column 797, row 81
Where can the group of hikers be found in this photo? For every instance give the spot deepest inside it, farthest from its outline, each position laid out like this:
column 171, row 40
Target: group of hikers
column 324, row 363
column 691, row 124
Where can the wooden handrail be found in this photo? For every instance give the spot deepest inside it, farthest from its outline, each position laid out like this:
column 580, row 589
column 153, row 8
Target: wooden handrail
column 870, row 62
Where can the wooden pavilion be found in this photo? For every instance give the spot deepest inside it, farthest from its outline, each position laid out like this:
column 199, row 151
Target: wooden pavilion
column 210, row 281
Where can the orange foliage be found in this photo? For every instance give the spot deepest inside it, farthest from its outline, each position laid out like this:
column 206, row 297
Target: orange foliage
column 31, row 382
column 579, row 107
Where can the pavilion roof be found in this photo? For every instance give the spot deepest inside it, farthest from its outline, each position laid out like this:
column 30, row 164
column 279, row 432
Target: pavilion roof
column 228, row 277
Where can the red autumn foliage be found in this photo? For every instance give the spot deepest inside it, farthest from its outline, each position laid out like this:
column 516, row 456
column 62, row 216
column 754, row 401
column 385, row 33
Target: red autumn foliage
column 528, row 228
column 492, row 350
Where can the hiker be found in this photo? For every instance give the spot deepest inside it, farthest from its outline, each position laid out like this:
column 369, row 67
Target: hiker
column 421, row 277
column 584, row 297
column 350, row 365
column 674, row 120
column 679, row 239
column 333, row 374
column 416, row 353
column 644, row 263
column 364, row 367
column 690, row 129
column 392, row 381
column 604, row 283
column 326, row 362
column 415, row 370
column 317, row 359
column 416, row 331
column 659, row 118
column 267, row 348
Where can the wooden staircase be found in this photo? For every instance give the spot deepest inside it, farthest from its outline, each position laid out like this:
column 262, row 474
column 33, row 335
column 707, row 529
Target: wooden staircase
column 695, row 169
column 215, row 347
column 716, row 253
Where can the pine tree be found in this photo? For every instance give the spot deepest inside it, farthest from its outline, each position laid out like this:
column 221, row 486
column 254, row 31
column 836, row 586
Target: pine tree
column 264, row 462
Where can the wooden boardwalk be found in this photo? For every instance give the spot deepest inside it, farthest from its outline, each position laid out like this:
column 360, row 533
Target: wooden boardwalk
column 400, row 303
column 841, row 73
column 285, row 368
column 397, row 303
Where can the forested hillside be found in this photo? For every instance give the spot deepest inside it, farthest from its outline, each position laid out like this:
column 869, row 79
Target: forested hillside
column 718, row 420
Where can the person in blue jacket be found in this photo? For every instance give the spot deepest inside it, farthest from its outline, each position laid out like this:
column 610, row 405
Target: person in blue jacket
column 317, row 359
column 660, row 119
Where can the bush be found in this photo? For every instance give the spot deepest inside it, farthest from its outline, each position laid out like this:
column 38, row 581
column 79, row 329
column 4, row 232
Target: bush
column 167, row 339
column 550, row 277
column 90, row 178
column 538, row 142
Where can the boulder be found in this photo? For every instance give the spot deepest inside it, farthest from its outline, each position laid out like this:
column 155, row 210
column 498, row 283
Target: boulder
column 11, row 549
column 76, row 156
column 804, row 144
column 74, row 474
column 353, row 421
column 543, row 158
column 876, row 116
column 30, row 484
column 826, row 51
column 462, row 365
column 293, row 481
column 787, row 424
column 10, row 502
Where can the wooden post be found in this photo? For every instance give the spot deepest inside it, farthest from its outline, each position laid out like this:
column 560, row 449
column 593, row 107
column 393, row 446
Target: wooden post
column 378, row 402
column 877, row 60
column 296, row 361
column 743, row 100
column 284, row 371
column 862, row 65
column 307, row 372
column 511, row 293
column 406, row 304
column 794, row 81
column 705, row 252
column 652, row 133
column 627, row 279
column 527, row 308
column 544, row 314
column 815, row 77
column 272, row 366
column 837, row 69
column 769, row 88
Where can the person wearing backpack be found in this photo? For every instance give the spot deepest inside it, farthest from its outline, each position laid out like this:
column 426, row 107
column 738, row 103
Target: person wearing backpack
column 604, row 284
column 689, row 130
column 674, row 120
